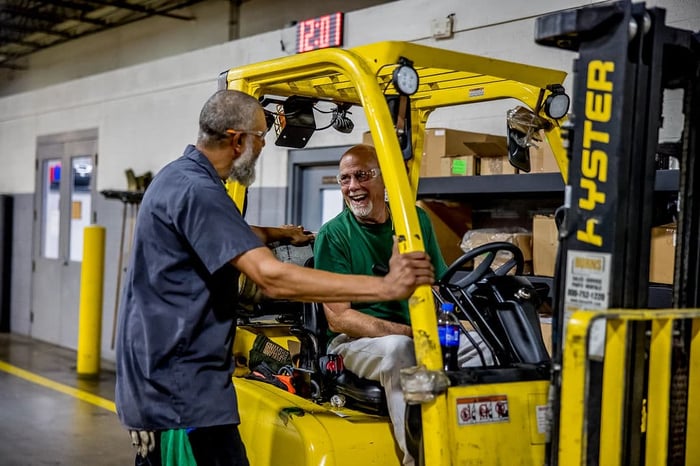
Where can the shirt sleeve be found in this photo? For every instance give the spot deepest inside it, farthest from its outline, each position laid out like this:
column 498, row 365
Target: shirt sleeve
column 331, row 251
column 212, row 225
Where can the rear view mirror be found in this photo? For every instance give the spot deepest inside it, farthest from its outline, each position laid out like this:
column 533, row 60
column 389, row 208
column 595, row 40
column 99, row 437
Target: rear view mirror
column 523, row 128
column 518, row 155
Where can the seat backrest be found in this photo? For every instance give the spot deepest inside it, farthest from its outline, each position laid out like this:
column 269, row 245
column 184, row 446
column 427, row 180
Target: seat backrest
column 312, row 331
column 363, row 394
column 524, row 335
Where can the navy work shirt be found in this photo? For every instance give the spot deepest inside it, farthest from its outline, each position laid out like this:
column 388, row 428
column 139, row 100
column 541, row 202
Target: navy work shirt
column 177, row 311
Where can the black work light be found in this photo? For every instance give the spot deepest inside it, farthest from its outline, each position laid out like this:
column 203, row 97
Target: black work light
column 557, row 103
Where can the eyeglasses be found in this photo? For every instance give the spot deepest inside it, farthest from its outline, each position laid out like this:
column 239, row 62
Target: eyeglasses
column 361, row 176
column 260, row 134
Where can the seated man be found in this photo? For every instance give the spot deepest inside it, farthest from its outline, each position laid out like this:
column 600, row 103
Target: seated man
column 375, row 339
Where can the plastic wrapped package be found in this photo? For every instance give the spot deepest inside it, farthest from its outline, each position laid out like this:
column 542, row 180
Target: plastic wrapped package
column 515, row 235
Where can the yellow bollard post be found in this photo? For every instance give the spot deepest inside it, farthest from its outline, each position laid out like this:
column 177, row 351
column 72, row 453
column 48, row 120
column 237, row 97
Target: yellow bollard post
column 90, row 318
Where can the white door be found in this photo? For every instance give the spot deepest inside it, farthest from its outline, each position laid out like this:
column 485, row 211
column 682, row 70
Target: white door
column 66, row 168
column 314, row 192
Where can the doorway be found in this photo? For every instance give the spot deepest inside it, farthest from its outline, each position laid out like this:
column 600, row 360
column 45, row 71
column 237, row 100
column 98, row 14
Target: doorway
column 313, row 191
column 63, row 205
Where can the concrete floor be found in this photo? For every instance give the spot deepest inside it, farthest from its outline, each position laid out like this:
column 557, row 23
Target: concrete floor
column 50, row 417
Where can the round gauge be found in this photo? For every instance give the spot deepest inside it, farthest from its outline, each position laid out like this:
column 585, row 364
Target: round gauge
column 556, row 105
column 405, row 79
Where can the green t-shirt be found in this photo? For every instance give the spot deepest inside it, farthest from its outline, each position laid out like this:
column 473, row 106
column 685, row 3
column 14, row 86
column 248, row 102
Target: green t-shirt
column 344, row 245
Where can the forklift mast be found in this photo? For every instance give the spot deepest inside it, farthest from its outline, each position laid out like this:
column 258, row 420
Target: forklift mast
column 627, row 58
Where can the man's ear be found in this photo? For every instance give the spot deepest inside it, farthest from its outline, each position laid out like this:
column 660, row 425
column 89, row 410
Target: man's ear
column 237, row 144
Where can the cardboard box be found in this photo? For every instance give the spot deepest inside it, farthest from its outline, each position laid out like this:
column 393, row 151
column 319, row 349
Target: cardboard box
column 367, row 138
column 542, row 158
column 523, row 240
column 496, row 165
column 663, row 254
column 545, row 241
column 546, row 327
column 450, row 221
column 460, row 165
column 444, row 142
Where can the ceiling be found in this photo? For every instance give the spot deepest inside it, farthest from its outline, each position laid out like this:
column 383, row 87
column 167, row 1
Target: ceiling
column 28, row 26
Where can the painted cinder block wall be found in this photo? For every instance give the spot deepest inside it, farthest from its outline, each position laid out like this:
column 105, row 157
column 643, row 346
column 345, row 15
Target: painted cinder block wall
column 146, row 112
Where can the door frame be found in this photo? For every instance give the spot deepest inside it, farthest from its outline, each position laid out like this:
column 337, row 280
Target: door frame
column 300, row 160
column 60, row 328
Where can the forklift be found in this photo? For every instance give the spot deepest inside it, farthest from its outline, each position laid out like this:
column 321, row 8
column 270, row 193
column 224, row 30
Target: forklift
column 625, row 378
column 620, row 386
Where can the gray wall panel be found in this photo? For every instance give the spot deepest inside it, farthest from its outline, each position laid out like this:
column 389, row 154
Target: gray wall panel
column 21, row 297
column 267, row 206
column 109, row 215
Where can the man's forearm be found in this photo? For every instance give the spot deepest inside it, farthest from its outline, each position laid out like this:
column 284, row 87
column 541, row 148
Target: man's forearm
column 267, row 234
column 285, row 234
column 358, row 324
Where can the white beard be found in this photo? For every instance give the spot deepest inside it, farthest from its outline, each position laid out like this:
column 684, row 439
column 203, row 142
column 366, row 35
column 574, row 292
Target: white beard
column 243, row 169
column 361, row 212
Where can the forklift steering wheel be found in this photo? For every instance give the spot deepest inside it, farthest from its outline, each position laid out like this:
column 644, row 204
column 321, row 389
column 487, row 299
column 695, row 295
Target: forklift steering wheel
column 484, row 268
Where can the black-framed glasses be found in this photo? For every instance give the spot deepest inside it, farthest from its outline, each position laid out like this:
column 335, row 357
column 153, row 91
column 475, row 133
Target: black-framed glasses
column 260, row 134
column 361, row 176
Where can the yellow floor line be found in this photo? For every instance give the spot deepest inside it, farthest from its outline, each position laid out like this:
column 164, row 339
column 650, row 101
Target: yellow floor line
column 59, row 387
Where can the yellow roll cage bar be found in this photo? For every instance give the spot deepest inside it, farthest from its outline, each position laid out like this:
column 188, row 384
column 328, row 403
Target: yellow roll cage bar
column 362, row 76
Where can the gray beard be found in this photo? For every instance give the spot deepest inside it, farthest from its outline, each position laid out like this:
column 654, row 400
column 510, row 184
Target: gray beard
column 243, row 169
column 361, row 212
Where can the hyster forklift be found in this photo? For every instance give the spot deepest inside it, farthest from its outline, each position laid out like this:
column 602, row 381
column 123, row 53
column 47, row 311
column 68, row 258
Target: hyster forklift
column 622, row 384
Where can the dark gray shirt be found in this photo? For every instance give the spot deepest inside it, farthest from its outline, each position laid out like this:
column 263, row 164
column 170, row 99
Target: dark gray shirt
column 177, row 311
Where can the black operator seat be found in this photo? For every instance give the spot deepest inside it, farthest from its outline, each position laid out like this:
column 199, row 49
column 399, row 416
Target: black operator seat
column 366, row 395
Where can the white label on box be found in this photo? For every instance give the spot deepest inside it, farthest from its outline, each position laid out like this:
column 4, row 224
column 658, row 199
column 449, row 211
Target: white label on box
column 439, row 132
column 588, row 288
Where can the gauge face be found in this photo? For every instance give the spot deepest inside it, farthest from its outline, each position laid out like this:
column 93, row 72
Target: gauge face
column 406, row 80
column 557, row 105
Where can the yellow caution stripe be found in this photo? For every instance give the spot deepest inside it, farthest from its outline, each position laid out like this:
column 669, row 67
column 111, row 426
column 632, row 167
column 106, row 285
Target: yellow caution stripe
column 59, row 387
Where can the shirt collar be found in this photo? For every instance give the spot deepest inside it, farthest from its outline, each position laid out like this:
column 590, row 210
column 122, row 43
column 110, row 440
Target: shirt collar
column 194, row 154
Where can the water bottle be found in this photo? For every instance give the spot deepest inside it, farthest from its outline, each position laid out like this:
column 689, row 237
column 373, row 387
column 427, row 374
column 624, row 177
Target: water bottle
column 448, row 333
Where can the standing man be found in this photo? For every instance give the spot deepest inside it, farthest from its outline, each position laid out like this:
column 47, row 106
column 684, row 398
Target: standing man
column 375, row 339
column 177, row 316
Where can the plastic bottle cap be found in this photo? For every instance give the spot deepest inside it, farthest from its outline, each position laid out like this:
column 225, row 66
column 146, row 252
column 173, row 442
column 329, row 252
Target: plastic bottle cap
column 448, row 307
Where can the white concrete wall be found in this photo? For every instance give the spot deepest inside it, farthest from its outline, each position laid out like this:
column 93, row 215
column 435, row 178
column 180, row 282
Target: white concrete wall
column 215, row 22
column 146, row 113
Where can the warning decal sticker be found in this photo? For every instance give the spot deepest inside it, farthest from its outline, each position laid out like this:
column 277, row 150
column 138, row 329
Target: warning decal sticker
column 482, row 410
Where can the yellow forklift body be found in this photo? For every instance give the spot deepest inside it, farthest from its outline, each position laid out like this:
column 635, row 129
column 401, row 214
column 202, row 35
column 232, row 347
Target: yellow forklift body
column 362, row 76
column 501, row 423
column 282, row 429
column 612, row 326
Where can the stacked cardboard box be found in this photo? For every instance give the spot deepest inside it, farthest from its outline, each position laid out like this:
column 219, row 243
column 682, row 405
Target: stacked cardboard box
column 450, row 221
column 662, row 254
column 542, row 158
column 545, row 242
column 449, row 152
column 445, row 154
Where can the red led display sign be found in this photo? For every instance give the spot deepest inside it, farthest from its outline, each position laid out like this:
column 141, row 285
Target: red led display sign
column 320, row 33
